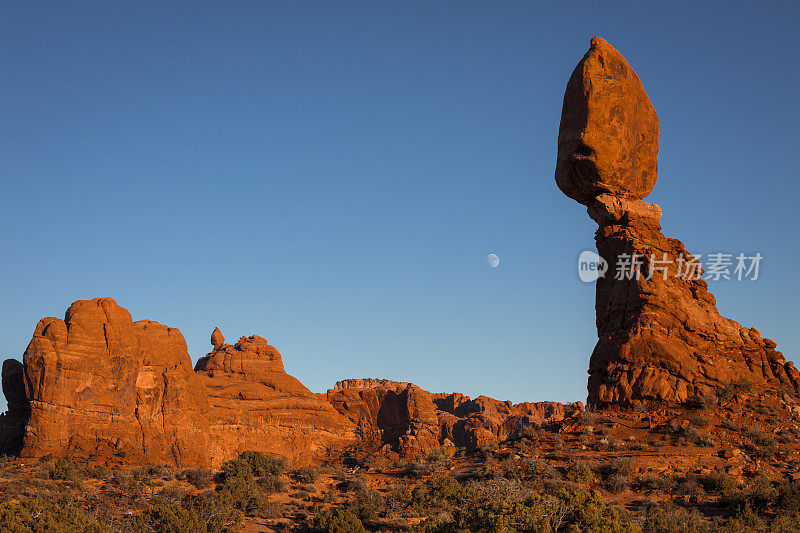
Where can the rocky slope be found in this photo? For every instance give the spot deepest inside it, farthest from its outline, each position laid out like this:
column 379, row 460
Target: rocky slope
column 661, row 337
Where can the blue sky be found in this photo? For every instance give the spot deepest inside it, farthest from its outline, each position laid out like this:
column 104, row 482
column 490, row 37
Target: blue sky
column 332, row 175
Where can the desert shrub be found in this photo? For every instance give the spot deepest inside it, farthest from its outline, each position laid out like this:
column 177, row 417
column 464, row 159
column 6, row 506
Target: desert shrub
column 580, row 472
column 39, row 516
column 306, row 474
column 147, row 473
column 168, row 496
column 438, row 455
column 788, row 501
column 689, row 486
column 215, row 509
column 198, row 477
column 272, row 484
column 659, row 483
column 704, row 401
column 262, row 464
column 567, row 510
column 669, row 518
column 763, row 446
column 744, row 521
column 440, row 491
column 367, row 503
column 237, row 469
column 737, row 386
column 167, row 519
column 64, row 468
column 492, row 490
column 98, row 472
column 718, row 482
column 338, row 521
column 531, row 468
column 587, row 418
column 243, row 494
column 126, row 485
column 418, row 469
column 785, row 524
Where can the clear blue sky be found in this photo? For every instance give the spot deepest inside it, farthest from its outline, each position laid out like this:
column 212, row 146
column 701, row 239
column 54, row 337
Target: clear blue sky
column 332, row 175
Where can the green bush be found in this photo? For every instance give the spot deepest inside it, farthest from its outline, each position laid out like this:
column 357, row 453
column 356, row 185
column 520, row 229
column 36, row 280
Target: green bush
column 306, row 474
column 237, row 469
column 39, row 516
column 567, row 510
column 338, row 521
column 262, row 464
column 64, row 469
column 148, row 472
column 215, row 509
column 367, row 503
column 272, row 484
column 789, row 498
column 167, row 519
column 669, row 518
column 580, row 472
column 199, row 478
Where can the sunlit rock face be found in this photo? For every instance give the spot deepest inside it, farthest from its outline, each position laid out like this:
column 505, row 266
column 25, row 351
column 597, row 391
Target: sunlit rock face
column 661, row 338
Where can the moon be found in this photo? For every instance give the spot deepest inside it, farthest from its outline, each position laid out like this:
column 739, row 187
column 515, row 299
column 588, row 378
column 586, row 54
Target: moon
column 493, row 260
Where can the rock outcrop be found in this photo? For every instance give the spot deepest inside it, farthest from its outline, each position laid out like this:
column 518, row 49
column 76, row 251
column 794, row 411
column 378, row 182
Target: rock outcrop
column 100, row 385
column 661, row 337
column 253, row 404
column 608, row 138
column 408, row 420
column 14, row 420
column 217, row 338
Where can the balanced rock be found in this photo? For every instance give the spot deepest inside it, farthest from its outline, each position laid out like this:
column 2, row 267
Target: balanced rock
column 661, row 337
column 608, row 137
column 217, row 338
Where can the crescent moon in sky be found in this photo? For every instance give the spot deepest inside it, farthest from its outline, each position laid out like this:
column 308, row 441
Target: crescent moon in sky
column 493, row 260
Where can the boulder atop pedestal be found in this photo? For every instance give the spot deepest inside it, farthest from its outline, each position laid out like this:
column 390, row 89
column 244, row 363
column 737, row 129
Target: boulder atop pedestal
column 608, row 137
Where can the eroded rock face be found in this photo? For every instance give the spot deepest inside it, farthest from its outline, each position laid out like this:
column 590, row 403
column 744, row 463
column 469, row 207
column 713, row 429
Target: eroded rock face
column 100, row 385
column 608, row 138
column 661, row 337
column 255, row 405
column 410, row 421
column 13, row 421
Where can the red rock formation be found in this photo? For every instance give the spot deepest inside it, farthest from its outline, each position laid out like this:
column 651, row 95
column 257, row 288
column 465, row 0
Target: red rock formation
column 661, row 337
column 14, row 420
column 255, row 405
column 608, row 138
column 410, row 420
column 100, row 384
